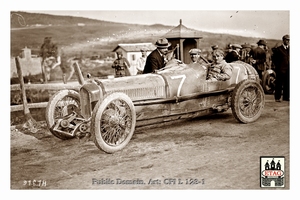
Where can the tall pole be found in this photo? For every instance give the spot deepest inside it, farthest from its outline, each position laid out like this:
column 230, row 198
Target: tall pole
column 30, row 122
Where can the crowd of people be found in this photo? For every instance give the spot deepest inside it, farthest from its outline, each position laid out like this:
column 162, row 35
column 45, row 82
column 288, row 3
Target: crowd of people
column 219, row 67
column 217, row 64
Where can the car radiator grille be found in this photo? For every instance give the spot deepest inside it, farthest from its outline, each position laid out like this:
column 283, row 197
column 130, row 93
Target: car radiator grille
column 143, row 93
column 85, row 103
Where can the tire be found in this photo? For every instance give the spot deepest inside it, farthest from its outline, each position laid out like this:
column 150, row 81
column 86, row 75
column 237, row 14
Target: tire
column 268, row 81
column 113, row 122
column 61, row 104
column 247, row 102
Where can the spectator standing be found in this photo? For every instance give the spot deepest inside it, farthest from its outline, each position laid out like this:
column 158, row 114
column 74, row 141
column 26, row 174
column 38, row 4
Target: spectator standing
column 219, row 70
column 234, row 54
column 48, row 48
column 268, row 63
column 142, row 61
column 258, row 57
column 121, row 65
column 48, row 53
column 155, row 59
column 281, row 60
column 64, row 66
column 245, row 56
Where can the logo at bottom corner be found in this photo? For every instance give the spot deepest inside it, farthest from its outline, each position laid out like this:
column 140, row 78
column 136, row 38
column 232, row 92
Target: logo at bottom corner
column 272, row 171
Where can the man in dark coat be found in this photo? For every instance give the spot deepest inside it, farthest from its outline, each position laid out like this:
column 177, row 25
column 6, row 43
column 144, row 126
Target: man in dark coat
column 234, row 54
column 155, row 59
column 258, row 57
column 281, row 60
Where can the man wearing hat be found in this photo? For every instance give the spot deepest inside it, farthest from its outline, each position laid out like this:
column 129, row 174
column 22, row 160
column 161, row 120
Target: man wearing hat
column 196, row 57
column 214, row 47
column 155, row 59
column 258, row 57
column 281, row 60
column 142, row 61
column 121, row 65
column 234, row 54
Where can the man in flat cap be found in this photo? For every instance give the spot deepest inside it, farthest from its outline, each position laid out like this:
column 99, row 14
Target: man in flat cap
column 121, row 65
column 234, row 54
column 281, row 60
column 155, row 59
column 196, row 57
column 258, row 57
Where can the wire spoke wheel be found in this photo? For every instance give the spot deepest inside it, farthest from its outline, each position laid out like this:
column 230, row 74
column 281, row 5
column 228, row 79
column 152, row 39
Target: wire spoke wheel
column 250, row 102
column 247, row 101
column 113, row 122
column 66, row 106
column 61, row 105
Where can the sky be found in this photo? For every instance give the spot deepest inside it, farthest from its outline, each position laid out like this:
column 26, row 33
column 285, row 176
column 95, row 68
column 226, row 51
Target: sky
column 269, row 24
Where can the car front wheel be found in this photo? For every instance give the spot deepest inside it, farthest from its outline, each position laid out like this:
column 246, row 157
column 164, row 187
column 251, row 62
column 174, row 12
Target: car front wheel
column 113, row 122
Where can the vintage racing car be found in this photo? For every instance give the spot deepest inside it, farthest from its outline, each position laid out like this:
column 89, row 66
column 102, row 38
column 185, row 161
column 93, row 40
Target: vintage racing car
column 109, row 110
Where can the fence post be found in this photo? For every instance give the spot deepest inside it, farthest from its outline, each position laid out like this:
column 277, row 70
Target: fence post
column 30, row 122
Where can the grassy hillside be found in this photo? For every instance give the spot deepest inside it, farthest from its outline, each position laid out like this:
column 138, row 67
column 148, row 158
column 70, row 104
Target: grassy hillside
column 94, row 37
column 97, row 37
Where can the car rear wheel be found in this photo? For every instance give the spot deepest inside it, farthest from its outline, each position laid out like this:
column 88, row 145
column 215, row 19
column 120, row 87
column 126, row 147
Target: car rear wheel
column 113, row 122
column 61, row 105
column 247, row 101
column 268, row 81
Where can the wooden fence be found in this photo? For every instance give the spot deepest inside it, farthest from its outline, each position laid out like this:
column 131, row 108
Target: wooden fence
column 48, row 86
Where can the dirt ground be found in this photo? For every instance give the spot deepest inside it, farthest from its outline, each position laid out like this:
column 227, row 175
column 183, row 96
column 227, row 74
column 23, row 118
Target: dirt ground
column 207, row 153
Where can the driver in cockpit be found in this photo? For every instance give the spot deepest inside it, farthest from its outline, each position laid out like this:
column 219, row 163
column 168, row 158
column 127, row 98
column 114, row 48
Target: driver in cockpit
column 219, row 70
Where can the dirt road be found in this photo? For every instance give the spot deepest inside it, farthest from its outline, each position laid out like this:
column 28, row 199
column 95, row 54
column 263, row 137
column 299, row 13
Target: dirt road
column 214, row 152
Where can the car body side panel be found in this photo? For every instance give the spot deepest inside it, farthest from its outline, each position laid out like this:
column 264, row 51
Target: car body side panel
column 163, row 88
column 141, row 87
column 184, row 79
column 188, row 79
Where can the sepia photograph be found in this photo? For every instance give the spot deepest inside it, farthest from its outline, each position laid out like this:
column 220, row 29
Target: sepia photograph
column 150, row 99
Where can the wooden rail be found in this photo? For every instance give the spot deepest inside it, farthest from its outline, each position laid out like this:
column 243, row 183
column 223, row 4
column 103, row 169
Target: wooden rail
column 30, row 105
column 48, row 86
